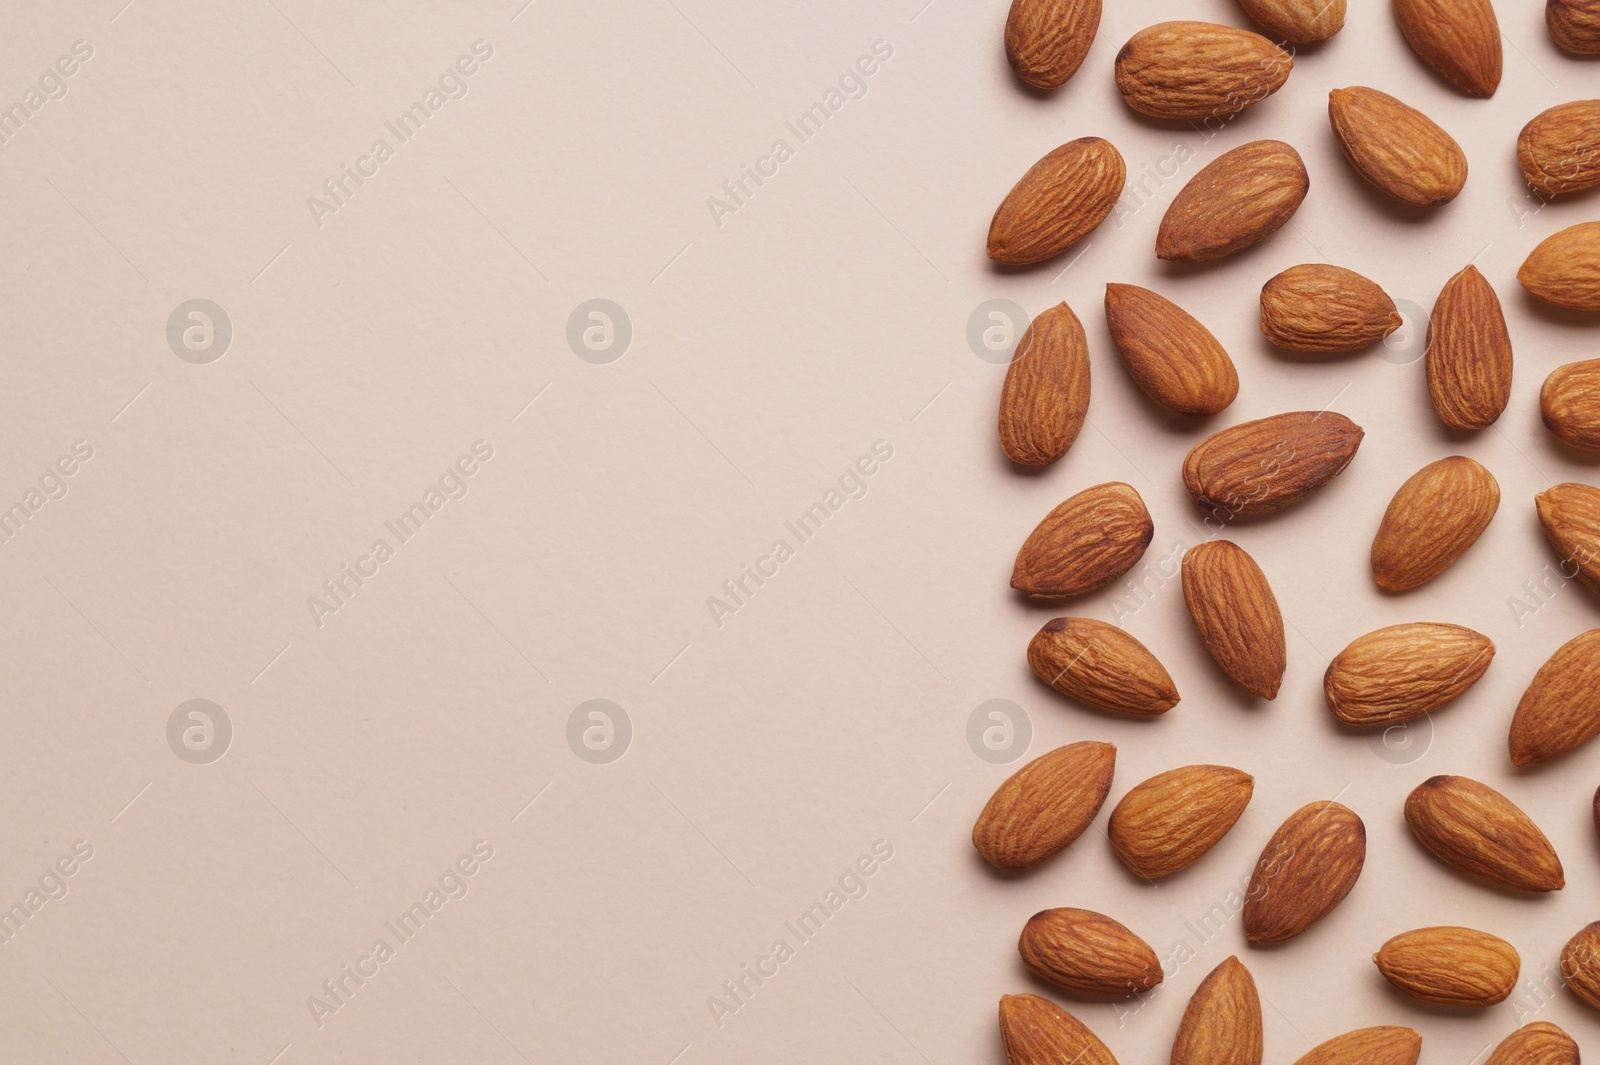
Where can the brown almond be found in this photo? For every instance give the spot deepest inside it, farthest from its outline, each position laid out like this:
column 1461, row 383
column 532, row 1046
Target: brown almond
column 1262, row 466
column 1539, row 1043
column 1396, row 147
column 1300, row 21
column 1087, row 953
column 1459, row 39
column 1580, row 964
column 1574, row 25
column 1198, row 70
column 1570, row 514
column 1383, row 1045
column 1237, row 615
column 1315, row 307
column 1564, row 269
column 1101, row 666
column 1305, row 870
column 1035, row 1031
column 1436, row 515
column 1559, row 712
column 1238, row 199
column 1569, row 403
column 1559, row 148
column 1401, row 672
column 1471, row 827
column 1469, row 353
column 1222, row 1023
column 1058, row 202
column 1171, row 357
column 1046, row 394
column 1045, row 805
column 1085, row 543
column 1168, row 822
column 1450, row 966
column 1046, row 40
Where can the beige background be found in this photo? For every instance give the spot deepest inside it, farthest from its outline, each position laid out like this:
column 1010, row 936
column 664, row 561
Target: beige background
column 768, row 353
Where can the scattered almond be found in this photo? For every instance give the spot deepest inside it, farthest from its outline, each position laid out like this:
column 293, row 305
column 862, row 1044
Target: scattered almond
column 1473, row 828
column 1383, row 1045
column 1570, row 514
column 1539, row 1043
column 1459, row 39
column 1401, row 672
column 1085, row 543
column 1569, row 403
column 1469, row 353
column 1171, row 357
column 1168, row 822
column 1305, row 870
column 1262, row 466
column 1058, row 202
column 1198, row 70
column 1087, row 953
column 1580, row 964
column 1436, row 515
column 1101, row 666
column 1046, row 394
column 1396, row 147
column 1046, row 40
column 1574, row 25
column 1315, row 307
column 1035, row 1031
column 1559, row 149
column 1450, row 966
column 1238, row 199
column 1565, row 268
column 1222, row 1023
column 1045, row 805
column 1237, row 615
column 1559, row 712
column 1300, row 21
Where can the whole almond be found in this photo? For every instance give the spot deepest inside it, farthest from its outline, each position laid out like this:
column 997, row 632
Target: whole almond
column 1045, row 805
column 1469, row 353
column 1559, row 149
column 1401, row 672
column 1046, row 394
column 1101, row 666
column 1046, row 40
column 1580, row 964
column 1471, row 827
column 1450, row 966
column 1171, row 357
column 1058, row 202
column 1565, row 268
column 1238, row 199
column 1316, row 307
column 1169, row 821
column 1300, row 21
column 1262, row 466
column 1035, row 1031
column 1559, row 712
column 1569, row 403
column 1085, row 543
column 1459, row 39
column 1222, row 1023
column 1396, row 147
column 1574, row 25
column 1305, row 870
column 1436, row 515
column 1087, row 953
column 1383, row 1045
column 1198, row 70
column 1539, row 1043
column 1570, row 514
column 1237, row 615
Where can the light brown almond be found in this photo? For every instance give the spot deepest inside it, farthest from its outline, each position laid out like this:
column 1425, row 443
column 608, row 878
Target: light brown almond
column 1450, row 966
column 1198, row 70
column 1559, row 149
column 1169, row 821
column 1045, row 805
column 1058, row 202
column 1085, row 543
column 1300, row 21
column 1237, row 615
column 1569, row 403
column 1222, row 1023
column 1035, row 1031
column 1401, row 672
column 1459, row 39
column 1396, row 147
column 1564, row 269
column 1101, row 666
column 1315, row 307
column 1238, row 199
column 1262, row 466
column 1087, row 953
column 1559, row 712
column 1580, row 964
column 1539, row 1043
column 1383, row 1045
column 1046, row 40
column 1305, row 870
column 1046, row 394
column 1570, row 514
column 1171, row 357
column 1436, row 515
column 1574, row 25
column 1469, row 353
column 1471, row 827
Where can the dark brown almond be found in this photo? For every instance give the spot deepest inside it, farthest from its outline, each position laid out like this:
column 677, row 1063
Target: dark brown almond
column 1559, row 148
column 1087, row 953
column 1171, row 357
column 1396, row 147
column 1305, row 870
column 1238, row 199
column 1035, row 1031
column 1580, row 964
column 1058, row 202
column 1401, row 672
column 1300, row 21
column 1045, row 805
column 1085, row 543
column 1539, row 1043
column 1459, row 39
column 1469, row 353
column 1262, row 466
column 1569, row 403
column 1383, row 1045
column 1471, row 827
column 1315, row 307
column 1169, row 821
column 1046, row 394
column 1222, row 1023
column 1570, row 514
column 1101, row 666
column 1237, row 615
column 1564, row 269
column 1198, row 70
column 1046, row 40
column 1436, row 515
column 1574, row 25
column 1559, row 712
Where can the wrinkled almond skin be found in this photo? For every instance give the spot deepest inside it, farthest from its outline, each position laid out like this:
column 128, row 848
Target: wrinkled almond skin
column 1169, row 821
column 1262, row 466
column 1171, row 357
column 1569, row 403
column 1450, row 966
column 1559, row 712
column 1085, row 543
column 1539, row 1043
column 1045, row 805
column 1305, row 870
column 1315, row 307
column 1046, row 394
column 1396, row 147
column 1401, row 672
column 1580, row 964
column 1559, row 149
column 1198, row 70
column 1459, row 39
column 1436, row 515
column 1058, row 202
column 1237, row 200
column 1469, row 353
column 1237, row 615
column 1300, row 21
column 1035, row 1031
column 1383, row 1045
column 1564, row 269
column 1471, row 827
column 1087, row 953
column 1222, row 1023
column 1101, row 666
column 1574, row 25
column 1570, row 514
column 1046, row 40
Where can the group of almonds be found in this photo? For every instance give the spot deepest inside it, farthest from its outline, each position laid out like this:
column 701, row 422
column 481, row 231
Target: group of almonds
column 1200, row 71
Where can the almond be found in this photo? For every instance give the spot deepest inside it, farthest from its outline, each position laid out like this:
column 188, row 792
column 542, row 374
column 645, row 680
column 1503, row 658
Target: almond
column 1565, row 268
column 1045, row 805
column 1101, row 666
column 1238, row 199
column 1300, row 21
column 1450, row 966
column 1237, row 615
column 1559, row 149
column 1035, row 1031
column 1396, row 147
column 1539, row 1043
column 1469, row 353
column 1559, row 712
column 1085, row 543
column 1198, row 70
column 1168, row 822
column 1305, row 870
column 1325, row 308
column 1046, row 40
column 1171, row 357
column 1222, row 1023
column 1459, row 39
column 1574, row 25
column 1401, row 672
column 1058, row 202
column 1580, row 964
column 1087, row 953
column 1570, row 514
column 1262, row 466
column 1569, row 403
column 1383, row 1045
column 1436, row 515
column 1046, row 394
column 1473, row 828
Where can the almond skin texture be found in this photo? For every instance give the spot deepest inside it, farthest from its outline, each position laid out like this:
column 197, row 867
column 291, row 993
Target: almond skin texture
column 1450, row 966
column 1580, row 964
column 1459, row 39
column 1401, row 672
column 1300, row 21
column 1469, row 353
column 1574, row 25
column 1539, row 1043
column 1058, row 202
column 1570, row 514
column 1565, row 268
column 1222, row 1023
column 1237, row 615
column 1559, row 150
column 1260, row 467
column 1569, row 403
column 1198, row 70
column 1087, row 953
column 1305, row 870
column 1171, row 357
column 1085, row 543
column 1168, row 822
column 1101, row 666
column 1436, row 515
column 1046, row 394
column 1396, row 147
column 1325, row 308
column 1238, row 199
column 1045, row 805
column 1559, row 712
column 1035, row 1031
column 1383, row 1045
column 1046, row 40
column 1479, row 831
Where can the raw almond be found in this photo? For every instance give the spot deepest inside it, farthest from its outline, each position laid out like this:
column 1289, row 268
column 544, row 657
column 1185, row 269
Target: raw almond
column 1087, row 953
column 1401, row 672
column 1574, row 25
column 1569, row 403
column 1198, row 70
column 1315, row 307
column 1046, row 394
column 1171, row 357
column 1559, row 150
column 1383, row 1045
column 1168, row 822
column 1565, row 268
column 1570, row 514
column 1450, row 966
column 1539, row 1043
column 1436, row 515
column 1045, row 805
column 1469, row 353
column 1046, row 40
column 1262, row 466
column 1300, row 21
column 1305, row 870
column 1035, row 1031
column 1101, row 666
column 1238, row 199
column 1085, row 543
column 1459, row 39
column 1058, row 202
column 1396, row 147
column 1222, row 1023
column 1237, row 615
column 1580, row 964
column 1471, row 827
column 1559, row 712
